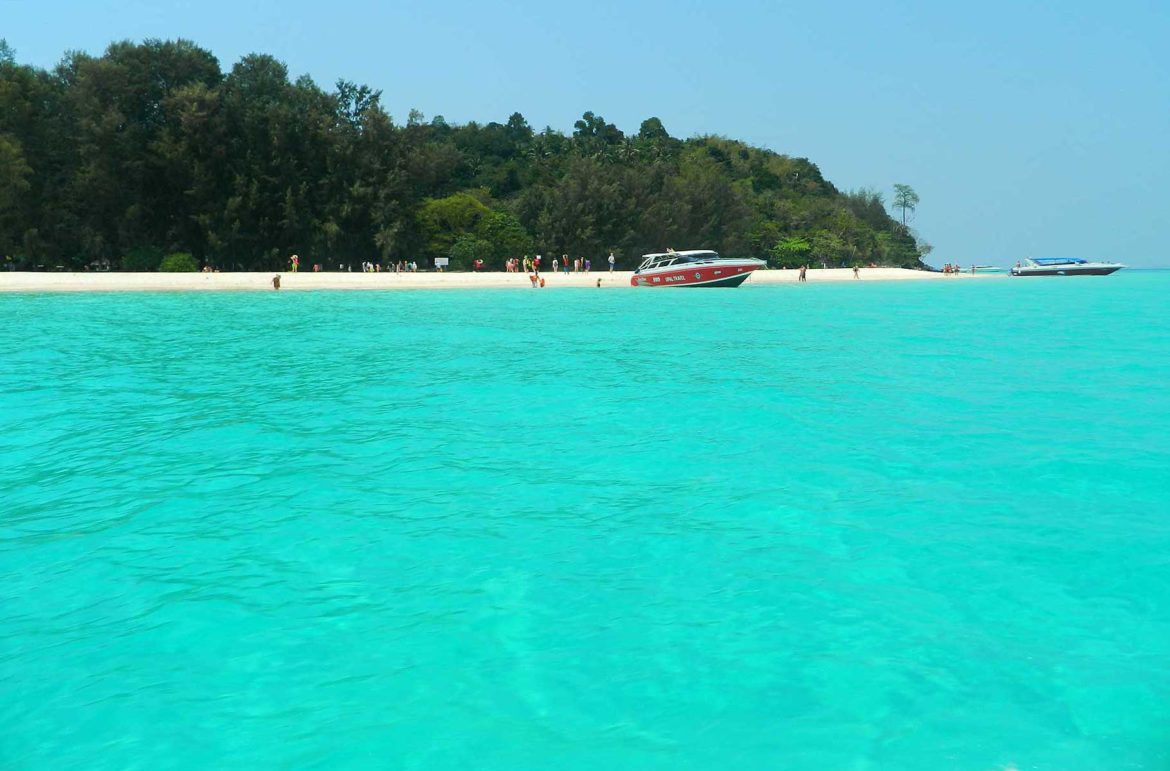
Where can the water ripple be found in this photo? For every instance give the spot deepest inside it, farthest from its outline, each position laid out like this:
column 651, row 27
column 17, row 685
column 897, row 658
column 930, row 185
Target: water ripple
column 764, row 528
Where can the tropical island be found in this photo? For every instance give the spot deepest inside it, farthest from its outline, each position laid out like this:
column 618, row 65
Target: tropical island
column 150, row 157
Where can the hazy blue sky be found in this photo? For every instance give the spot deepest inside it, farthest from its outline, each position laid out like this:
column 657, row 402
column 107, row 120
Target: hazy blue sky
column 1028, row 129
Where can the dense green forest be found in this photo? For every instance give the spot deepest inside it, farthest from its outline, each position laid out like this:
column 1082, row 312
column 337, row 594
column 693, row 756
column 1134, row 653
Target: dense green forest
column 151, row 149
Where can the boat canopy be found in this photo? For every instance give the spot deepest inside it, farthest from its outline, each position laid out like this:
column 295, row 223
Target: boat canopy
column 691, row 255
column 666, row 259
column 1059, row 261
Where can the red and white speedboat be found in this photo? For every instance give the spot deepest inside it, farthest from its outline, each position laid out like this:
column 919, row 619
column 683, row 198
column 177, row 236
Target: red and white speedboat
column 698, row 267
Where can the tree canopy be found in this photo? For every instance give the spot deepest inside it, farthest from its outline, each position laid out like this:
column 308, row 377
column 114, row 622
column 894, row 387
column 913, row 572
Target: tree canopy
column 905, row 199
column 152, row 149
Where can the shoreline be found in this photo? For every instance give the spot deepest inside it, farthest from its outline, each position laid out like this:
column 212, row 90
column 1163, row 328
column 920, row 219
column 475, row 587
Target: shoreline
column 18, row 282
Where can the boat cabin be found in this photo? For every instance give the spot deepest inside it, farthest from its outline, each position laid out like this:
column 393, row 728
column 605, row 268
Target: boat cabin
column 666, row 259
column 1057, row 261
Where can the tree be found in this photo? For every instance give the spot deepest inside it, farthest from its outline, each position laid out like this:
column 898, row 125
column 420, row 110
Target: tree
column 353, row 102
column 14, row 173
column 504, row 235
column 791, row 252
column 142, row 259
column 466, row 249
column 828, row 247
column 152, row 148
column 594, row 136
column 444, row 220
column 518, row 130
column 179, row 262
column 652, row 129
column 905, row 198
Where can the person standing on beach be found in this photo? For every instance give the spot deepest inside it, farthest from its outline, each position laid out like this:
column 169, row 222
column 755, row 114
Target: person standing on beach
column 276, row 282
column 803, row 272
column 856, row 272
column 296, row 263
column 586, row 264
column 611, row 261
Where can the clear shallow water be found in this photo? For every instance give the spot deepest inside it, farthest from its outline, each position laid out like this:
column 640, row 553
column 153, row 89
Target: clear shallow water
column 896, row 526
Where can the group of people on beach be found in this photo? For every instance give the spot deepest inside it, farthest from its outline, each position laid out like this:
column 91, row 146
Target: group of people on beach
column 532, row 267
column 563, row 264
column 512, row 265
column 365, row 267
column 376, row 267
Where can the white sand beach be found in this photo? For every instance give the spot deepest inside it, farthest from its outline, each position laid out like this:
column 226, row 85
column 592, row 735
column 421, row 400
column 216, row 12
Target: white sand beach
column 297, row 282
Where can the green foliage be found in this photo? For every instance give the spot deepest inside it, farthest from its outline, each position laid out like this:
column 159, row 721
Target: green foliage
column 828, row 248
column 466, row 249
column 593, row 135
column 505, row 237
column 792, row 252
column 153, row 143
column 14, row 184
column 905, row 199
column 444, row 220
column 463, row 227
column 652, row 130
column 142, row 259
column 179, row 262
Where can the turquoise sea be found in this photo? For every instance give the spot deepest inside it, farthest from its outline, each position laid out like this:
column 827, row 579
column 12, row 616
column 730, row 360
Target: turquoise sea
column 855, row 526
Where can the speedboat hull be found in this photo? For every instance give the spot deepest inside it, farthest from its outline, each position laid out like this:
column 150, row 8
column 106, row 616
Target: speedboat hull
column 1064, row 266
column 721, row 274
column 1067, row 270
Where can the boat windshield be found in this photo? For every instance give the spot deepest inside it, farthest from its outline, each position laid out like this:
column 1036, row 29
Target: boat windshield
column 1059, row 261
column 698, row 257
column 667, row 259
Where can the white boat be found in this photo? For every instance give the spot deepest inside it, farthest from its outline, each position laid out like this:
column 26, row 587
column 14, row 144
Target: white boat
column 1064, row 266
column 696, row 267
